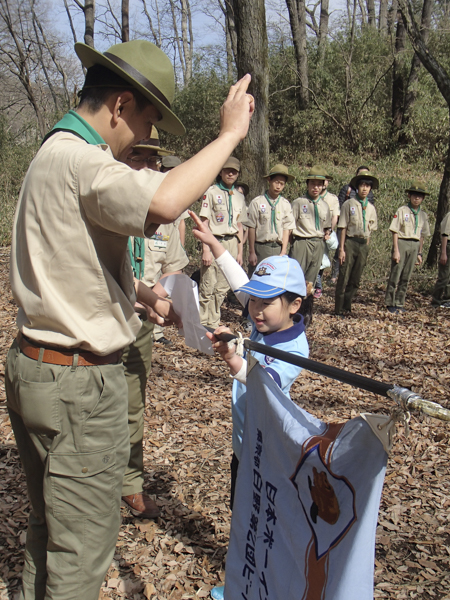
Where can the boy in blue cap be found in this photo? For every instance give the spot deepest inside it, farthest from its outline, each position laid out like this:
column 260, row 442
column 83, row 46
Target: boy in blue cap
column 274, row 296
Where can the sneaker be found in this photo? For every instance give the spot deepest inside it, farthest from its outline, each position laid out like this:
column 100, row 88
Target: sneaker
column 445, row 305
column 217, row 592
column 392, row 309
column 401, row 309
column 317, row 293
column 163, row 340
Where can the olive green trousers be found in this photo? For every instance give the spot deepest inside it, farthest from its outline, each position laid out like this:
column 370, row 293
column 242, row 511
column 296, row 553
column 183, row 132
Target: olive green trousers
column 70, row 425
column 356, row 252
column 401, row 273
column 308, row 252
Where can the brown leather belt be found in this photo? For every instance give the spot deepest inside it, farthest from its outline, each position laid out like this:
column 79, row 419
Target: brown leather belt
column 66, row 358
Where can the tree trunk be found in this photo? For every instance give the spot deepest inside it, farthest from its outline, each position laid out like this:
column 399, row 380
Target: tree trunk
column 383, row 17
column 392, row 17
column 297, row 19
column 398, row 80
column 371, row 17
column 187, row 38
column 252, row 57
column 89, row 20
column 231, row 38
column 323, row 27
column 442, row 80
column 411, row 86
column 125, row 20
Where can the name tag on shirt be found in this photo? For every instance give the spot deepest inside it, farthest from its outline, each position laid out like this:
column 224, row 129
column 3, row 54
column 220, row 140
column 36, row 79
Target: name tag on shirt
column 160, row 244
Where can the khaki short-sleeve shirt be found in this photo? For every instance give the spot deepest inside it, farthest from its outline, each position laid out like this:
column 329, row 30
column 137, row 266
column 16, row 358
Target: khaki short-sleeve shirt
column 351, row 217
column 70, row 267
column 215, row 208
column 404, row 224
column 445, row 225
column 259, row 217
column 305, row 221
column 163, row 254
column 333, row 204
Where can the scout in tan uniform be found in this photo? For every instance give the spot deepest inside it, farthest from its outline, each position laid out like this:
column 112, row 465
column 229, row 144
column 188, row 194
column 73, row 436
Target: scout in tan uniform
column 312, row 223
column 441, row 292
column 269, row 219
column 357, row 221
column 73, row 284
column 409, row 228
column 335, row 210
column 224, row 208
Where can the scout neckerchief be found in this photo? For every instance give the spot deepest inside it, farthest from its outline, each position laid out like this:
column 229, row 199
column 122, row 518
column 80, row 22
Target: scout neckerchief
column 415, row 212
column 364, row 204
column 75, row 124
column 273, row 206
column 136, row 248
column 229, row 191
column 316, row 210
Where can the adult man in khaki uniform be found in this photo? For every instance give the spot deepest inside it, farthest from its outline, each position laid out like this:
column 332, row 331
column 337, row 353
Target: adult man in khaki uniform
column 224, row 208
column 269, row 219
column 357, row 220
column 72, row 281
column 409, row 228
column 312, row 222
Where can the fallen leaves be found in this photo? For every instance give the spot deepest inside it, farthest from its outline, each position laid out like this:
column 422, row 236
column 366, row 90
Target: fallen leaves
column 187, row 451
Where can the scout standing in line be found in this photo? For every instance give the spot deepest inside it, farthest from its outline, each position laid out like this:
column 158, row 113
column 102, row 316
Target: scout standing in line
column 148, row 258
column 269, row 219
column 312, row 223
column 357, row 221
column 224, row 208
column 72, row 281
column 441, row 292
column 331, row 243
column 409, row 228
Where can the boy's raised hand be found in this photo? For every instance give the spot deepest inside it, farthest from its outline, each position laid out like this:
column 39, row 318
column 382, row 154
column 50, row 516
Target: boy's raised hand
column 237, row 110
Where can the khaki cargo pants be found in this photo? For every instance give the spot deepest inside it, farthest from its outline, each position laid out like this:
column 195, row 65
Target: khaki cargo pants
column 356, row 252
column 401, row 272
column 308, row 252
column 70, row 425
column 213, row 287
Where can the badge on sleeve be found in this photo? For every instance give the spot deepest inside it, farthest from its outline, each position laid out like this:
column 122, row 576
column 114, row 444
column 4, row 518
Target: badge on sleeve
column 204, row 197
column 219, row 217
column 352, row 210
column 305, row 208
column 262, row 208
column 205, row 205
column 406, row 217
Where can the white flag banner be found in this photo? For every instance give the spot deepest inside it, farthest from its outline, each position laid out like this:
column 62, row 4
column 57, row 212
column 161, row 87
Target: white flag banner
column 306, row 504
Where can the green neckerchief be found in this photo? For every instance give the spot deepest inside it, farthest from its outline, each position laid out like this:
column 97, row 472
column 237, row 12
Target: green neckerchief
column 273, row 206
column 75, row 124
column 136, row 248
column 416, row 216
column 316, row 210
column 229, row 191
column 364, row 204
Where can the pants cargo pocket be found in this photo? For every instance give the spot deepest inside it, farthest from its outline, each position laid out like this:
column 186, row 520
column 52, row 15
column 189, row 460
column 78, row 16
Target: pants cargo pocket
column 83, row 484
column 39, row 406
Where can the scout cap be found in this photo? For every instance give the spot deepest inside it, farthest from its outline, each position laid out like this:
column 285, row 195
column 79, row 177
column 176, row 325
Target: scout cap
column 280, row 170
column 274, row 276
column 232, row 163
column 317, row 172
column 242, row 185
column 154, row 144
column 366, row 175
column 418, row 187
column 146, row 68
column 169, row 162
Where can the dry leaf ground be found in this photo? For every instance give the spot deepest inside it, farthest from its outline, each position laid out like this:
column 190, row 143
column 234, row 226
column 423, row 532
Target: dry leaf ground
column 188, row 450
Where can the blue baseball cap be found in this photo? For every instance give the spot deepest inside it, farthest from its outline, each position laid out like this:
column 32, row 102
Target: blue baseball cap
column 274, row 276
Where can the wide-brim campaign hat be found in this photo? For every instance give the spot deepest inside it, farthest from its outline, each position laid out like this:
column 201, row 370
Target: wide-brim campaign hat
column 317, row 172
column 275, row 275
column 364, row 175
column 232, row 163
column 418, row 188
column 146, row 68
column 170, row 162
column 280, row 170
column 242, row 185
column 154, row 144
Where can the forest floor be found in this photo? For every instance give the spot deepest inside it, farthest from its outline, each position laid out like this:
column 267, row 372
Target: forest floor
column 188, row 451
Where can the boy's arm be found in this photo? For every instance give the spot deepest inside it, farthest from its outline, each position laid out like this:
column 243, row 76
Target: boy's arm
column 341, row 245
column 252, row 258
column 285, row 241
column 240, row 244
column 419, row 254
column 443, row 257
column 395, row 250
